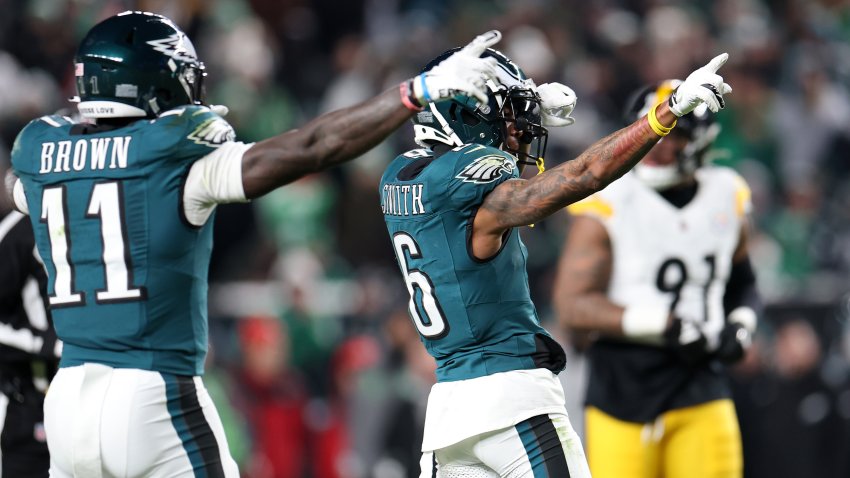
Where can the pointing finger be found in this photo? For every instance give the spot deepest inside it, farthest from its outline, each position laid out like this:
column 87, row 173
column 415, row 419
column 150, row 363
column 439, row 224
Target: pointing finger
column 717, row 62
column 477, row 46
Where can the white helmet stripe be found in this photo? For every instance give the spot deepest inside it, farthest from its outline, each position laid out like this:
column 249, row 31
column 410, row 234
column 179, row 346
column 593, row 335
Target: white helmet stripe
column 445, row 124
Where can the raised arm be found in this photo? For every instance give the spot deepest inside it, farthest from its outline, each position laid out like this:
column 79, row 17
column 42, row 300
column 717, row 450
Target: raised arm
column 323, row 142
column 521, row 202
column 343, row 135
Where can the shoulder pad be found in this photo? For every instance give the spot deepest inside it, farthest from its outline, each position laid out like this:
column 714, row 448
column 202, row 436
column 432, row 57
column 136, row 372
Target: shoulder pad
column 44, row 123
column 35, row 128
column 203, row 126
column 54, row 121
column 743, row 194
column 484, row 164
column 594, row 205
column 730, row 179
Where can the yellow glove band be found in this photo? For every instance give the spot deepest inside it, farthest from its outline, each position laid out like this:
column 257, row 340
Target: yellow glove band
column 656, row 125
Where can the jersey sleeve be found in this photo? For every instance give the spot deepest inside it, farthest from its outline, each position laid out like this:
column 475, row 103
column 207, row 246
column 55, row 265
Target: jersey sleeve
column 208, row 143
column 743, row 196
column 478, row 170
column 594, row 206
column 200, row 131
column 214, row 179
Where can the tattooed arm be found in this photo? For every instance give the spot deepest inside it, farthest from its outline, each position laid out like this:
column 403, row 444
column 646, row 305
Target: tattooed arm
column 580, row 291
column 520, row 202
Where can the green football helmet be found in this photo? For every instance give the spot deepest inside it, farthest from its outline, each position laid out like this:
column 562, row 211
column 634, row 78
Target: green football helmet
column 462, row 120
column 136, row 64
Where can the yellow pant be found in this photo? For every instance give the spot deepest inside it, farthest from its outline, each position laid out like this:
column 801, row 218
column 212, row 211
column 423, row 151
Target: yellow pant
column 702, row 441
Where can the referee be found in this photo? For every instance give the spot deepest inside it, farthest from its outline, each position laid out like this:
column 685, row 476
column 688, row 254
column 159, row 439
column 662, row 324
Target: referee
column 29, row 350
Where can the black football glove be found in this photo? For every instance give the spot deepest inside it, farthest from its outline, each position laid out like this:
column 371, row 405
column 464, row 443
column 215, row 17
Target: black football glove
column 686, row 338
column 736, row 336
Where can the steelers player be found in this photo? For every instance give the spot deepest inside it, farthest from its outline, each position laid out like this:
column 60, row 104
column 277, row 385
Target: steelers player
column 655, row 279
column 452, row 211
column 122, row 209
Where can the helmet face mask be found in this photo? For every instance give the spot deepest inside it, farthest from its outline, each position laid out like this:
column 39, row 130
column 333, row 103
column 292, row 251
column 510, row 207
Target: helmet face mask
column 137, row 64
column 462, row 120
column 522, row 109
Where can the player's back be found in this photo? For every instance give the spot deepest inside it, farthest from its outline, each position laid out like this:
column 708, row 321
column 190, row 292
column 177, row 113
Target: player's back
column 474, row 316
column 127, row 271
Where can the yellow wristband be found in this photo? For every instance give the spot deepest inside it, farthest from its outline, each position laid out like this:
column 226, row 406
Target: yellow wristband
column 656, row 125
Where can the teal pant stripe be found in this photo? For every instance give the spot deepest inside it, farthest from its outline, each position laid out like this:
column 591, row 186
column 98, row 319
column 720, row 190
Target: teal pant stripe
column 544, row 448
column 188, row 419
column 529, row 442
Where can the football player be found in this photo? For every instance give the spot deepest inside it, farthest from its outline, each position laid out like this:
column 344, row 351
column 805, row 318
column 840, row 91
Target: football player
column 655, row 276
column 122, row 211
column 452, row 210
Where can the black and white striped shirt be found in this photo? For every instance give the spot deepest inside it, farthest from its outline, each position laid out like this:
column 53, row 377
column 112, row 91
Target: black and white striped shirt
column 26, row 331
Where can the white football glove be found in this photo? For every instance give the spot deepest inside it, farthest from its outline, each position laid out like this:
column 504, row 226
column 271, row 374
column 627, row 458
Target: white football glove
column 557, row 103
column 462, row 73
column 703, row 86
column 220, row 110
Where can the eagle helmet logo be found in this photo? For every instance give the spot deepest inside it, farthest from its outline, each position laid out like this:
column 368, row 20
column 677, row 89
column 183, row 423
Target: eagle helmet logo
column 176, row 46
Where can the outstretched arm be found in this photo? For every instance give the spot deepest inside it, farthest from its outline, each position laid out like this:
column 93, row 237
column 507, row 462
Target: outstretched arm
column 521, row 202
column 324, row 142
column 343, row 135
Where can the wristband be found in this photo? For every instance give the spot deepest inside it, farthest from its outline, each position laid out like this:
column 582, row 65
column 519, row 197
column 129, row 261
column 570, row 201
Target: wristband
column 745, row 316
column 645, row 320
column 656, row 125
column 408, row 99
column 425, row 95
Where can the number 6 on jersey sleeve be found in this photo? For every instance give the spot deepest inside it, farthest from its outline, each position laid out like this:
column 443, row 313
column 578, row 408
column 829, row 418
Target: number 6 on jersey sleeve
column 433, row 325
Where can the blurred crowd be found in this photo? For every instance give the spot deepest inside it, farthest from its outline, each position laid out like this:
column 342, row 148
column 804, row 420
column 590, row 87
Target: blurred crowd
column 315, row 367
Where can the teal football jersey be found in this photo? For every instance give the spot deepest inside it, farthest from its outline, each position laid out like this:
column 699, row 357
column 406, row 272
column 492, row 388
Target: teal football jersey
column 127, row 272
column 474, row 316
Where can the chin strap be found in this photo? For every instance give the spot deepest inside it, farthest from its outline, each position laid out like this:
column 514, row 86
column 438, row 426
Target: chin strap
column 540, row 169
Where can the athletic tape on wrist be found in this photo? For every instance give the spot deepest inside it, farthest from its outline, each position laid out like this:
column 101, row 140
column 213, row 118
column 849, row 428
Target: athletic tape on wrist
column 645, row 320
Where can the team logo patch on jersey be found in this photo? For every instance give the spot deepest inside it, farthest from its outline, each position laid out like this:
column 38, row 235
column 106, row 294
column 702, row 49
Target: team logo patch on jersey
column 486, row 169
column 212, row 132
column 175, row 46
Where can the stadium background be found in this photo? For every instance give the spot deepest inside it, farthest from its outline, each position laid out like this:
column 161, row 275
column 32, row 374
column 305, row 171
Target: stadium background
column 315, row 367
